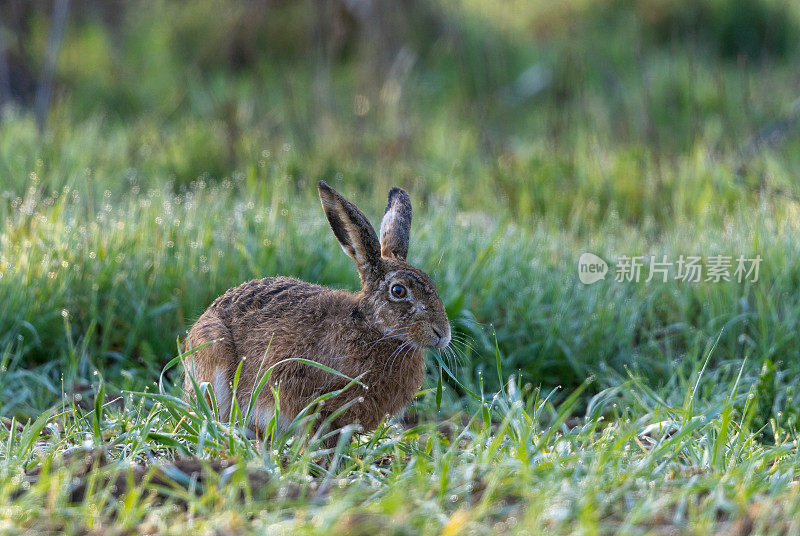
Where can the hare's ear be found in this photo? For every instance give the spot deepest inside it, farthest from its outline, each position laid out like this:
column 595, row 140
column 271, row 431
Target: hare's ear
column 396, row 225
column 352, row 229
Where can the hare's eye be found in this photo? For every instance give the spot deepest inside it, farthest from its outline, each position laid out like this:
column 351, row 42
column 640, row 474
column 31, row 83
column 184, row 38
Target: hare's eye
column 398, row 291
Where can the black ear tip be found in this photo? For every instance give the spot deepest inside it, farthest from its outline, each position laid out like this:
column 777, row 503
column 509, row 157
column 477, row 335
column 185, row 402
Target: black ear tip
column 323, row 185
column 397, row 192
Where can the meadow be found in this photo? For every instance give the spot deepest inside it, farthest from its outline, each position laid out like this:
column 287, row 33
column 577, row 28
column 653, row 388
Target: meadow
column 180, row 157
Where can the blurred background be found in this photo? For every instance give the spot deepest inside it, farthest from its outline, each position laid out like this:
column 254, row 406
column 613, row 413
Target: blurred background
column 510, row 92
column 153, row 154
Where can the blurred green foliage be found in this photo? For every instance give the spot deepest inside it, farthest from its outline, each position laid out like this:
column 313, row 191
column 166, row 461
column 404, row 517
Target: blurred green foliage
column 180, row 157
column 185, row 140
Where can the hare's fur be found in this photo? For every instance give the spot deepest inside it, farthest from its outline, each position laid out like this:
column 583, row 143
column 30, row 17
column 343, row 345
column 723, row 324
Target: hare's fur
column 264, row 321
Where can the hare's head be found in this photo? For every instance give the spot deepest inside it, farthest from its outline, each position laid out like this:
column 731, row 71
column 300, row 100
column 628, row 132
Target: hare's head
column 399, row 299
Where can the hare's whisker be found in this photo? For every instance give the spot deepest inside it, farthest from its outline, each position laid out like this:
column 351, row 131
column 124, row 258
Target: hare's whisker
column 472, row 321
column 463, row 337
column 394, row 332
column 462, row 342
column 448, row 355
column 456, row 357
column 410, row 347
column 390, row 336
column 413, row 349
column 396, row 355
column 459, row 337
column 445, row 353
column 461, row 349
column 396, row 351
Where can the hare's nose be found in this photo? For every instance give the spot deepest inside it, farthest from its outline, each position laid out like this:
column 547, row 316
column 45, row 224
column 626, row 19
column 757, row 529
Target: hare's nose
column 443, row 336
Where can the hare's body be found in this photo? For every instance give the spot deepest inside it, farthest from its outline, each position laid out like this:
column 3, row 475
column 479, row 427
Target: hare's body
column 381, row 331
column 279, row 318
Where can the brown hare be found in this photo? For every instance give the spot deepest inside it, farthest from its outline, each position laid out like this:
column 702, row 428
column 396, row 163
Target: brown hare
column 380, row 331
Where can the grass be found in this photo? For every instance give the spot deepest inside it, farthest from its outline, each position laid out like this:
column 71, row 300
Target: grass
column 632, row 462
column 169, row 172
column 109, row 286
